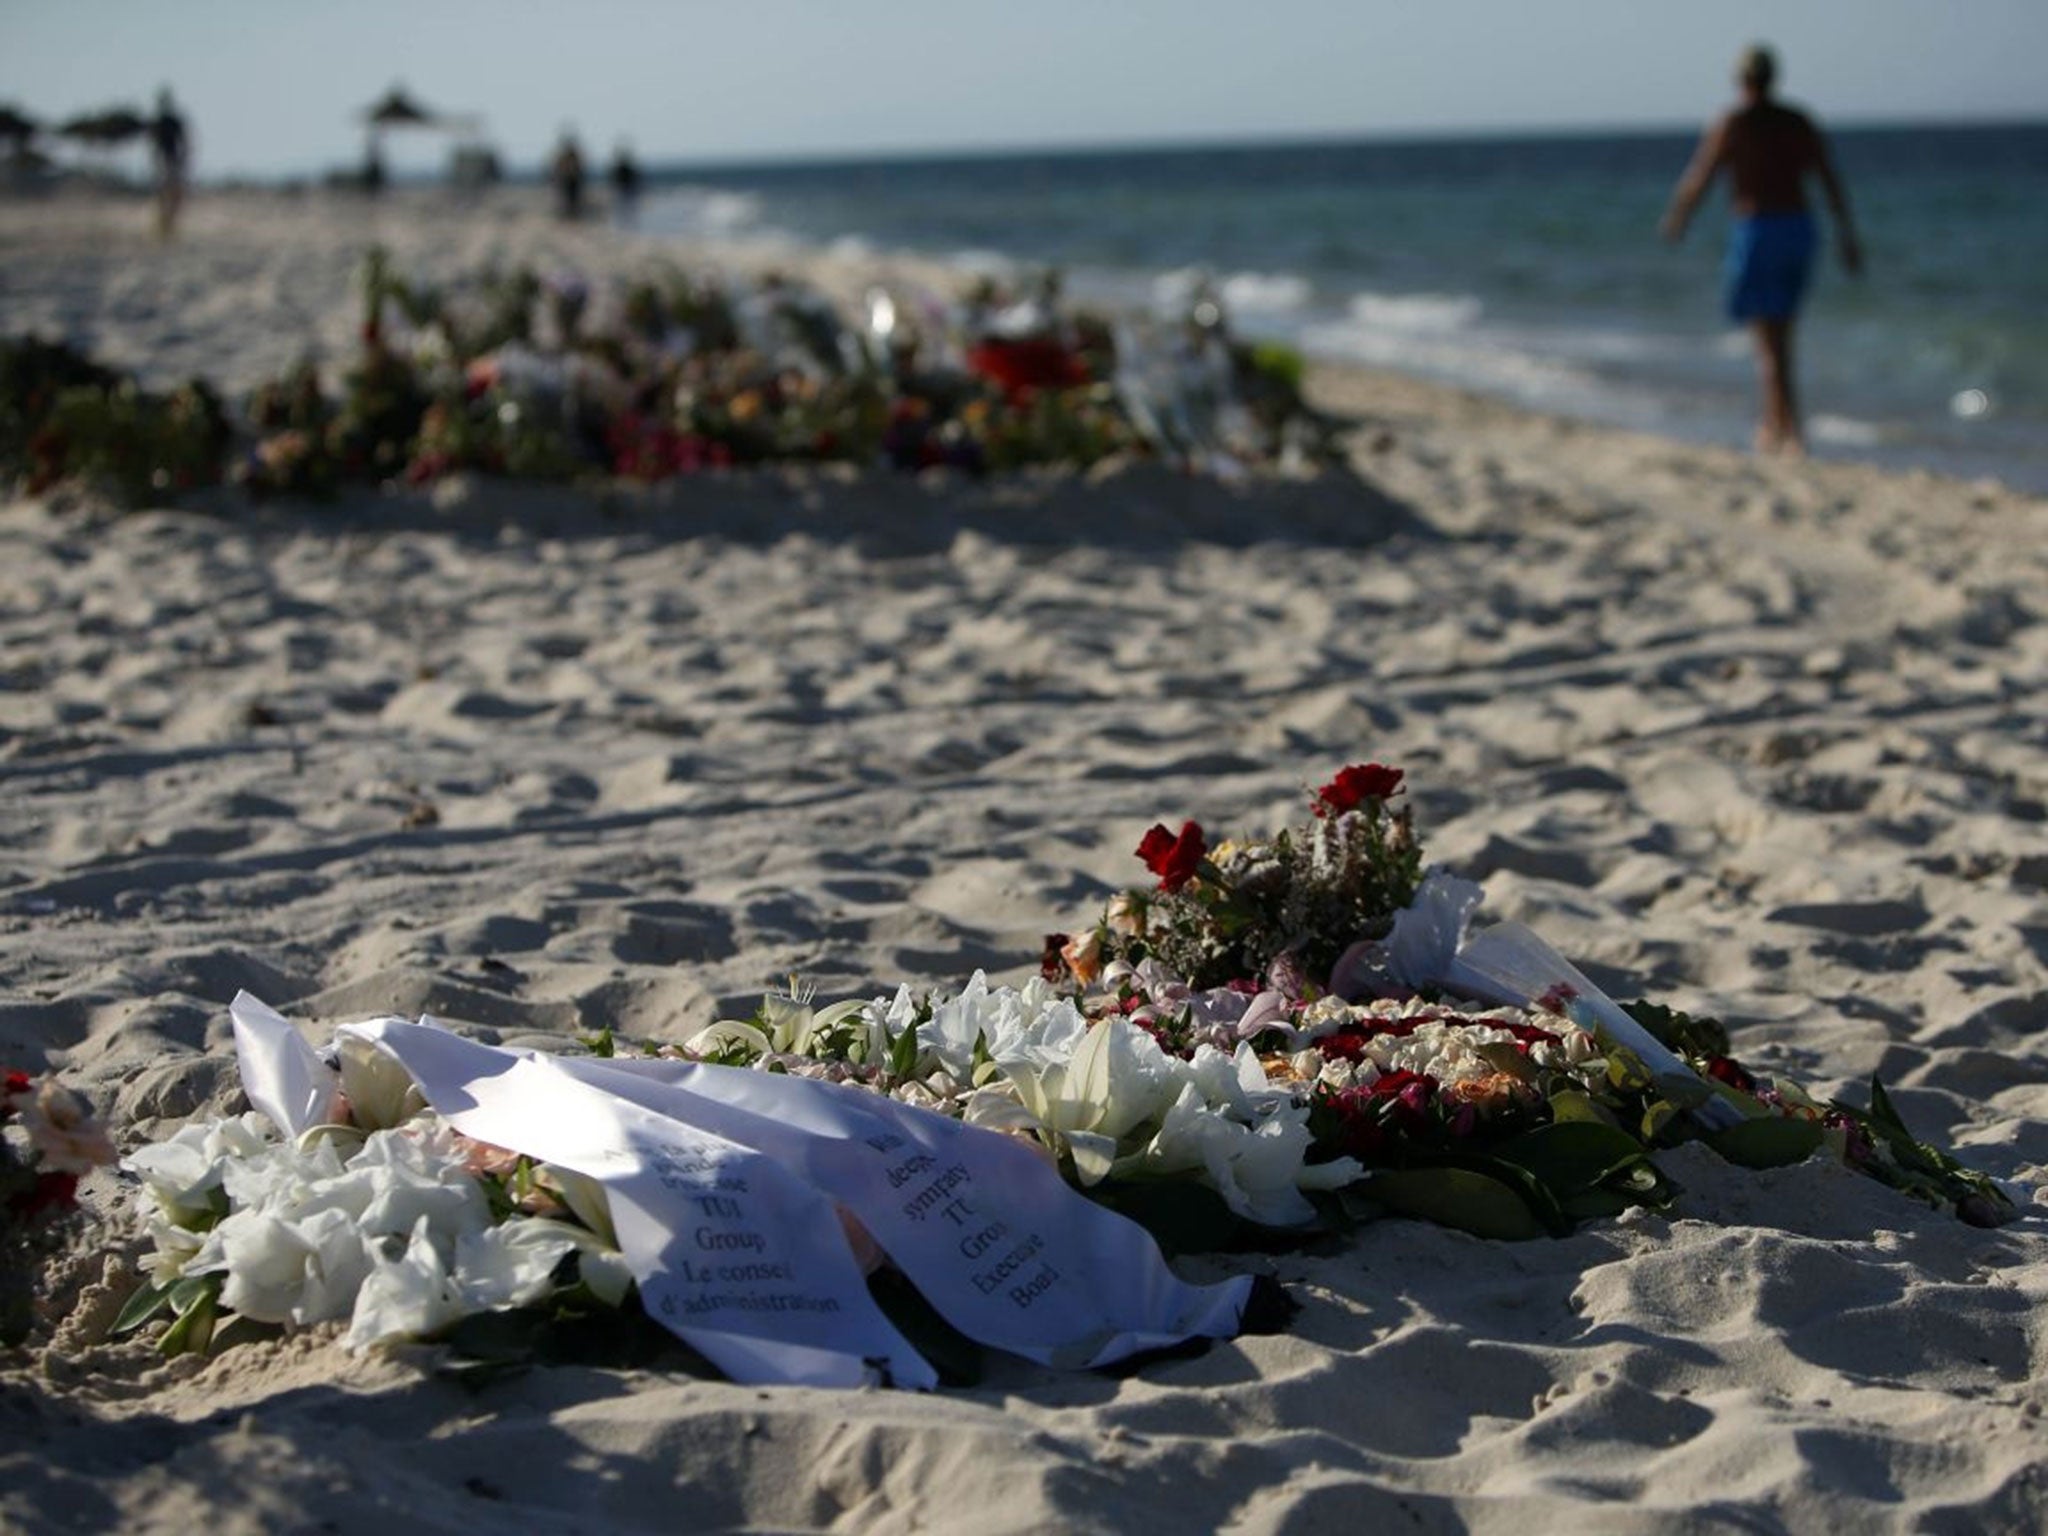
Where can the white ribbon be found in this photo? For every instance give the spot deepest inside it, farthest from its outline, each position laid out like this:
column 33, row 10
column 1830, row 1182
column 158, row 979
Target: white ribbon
column 725, row 1186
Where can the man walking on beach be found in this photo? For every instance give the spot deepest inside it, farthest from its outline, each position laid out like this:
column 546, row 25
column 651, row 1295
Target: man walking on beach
column 1767, row 149
column 171, row 147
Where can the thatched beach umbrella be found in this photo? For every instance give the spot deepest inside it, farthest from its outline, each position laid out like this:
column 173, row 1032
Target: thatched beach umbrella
column 16, row 127
column 398, row 109
column 116, row 125
column 395, row 109
column 100, row 134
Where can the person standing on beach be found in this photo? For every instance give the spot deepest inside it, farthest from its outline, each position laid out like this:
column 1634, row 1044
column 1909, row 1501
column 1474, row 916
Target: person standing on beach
column 1768, row 150
column 170, row 145
column 566, row 172
column 625, row 183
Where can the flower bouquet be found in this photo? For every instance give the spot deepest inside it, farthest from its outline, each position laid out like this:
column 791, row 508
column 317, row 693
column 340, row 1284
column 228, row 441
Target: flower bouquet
column 1301, row 1028
column 510, row 373
column 411, row 1180
column 1281, row 1035
column 380, row 1213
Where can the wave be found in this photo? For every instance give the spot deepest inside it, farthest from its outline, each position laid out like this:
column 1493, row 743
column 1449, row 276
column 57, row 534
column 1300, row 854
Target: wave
column 1243, row 293
column 704, row 212
column 1844, row 431
column 1415, row 313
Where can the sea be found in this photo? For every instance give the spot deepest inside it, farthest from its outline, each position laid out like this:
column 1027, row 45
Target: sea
column 1524, row 267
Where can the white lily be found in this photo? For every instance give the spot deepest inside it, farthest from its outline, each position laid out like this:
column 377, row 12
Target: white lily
column 789, row 1026
column 1117, row 1079
column 381, row 1093
column 1257, row 1169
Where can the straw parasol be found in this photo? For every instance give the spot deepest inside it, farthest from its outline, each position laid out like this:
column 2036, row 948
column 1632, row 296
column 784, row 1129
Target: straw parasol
column 116, row 125
column 396, row 109
column 16, row 126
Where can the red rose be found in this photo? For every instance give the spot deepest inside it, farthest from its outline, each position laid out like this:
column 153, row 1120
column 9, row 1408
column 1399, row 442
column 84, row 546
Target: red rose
column 1356, row 784
column 1174, row 859
column 1725, row 1069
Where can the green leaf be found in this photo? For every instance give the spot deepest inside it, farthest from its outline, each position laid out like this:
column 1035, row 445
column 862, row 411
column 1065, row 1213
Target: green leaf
column 903, row 1052
column 1776, row 1142
column 1883, row 1113
column 196, row 1301
column 1457, row 1197
column 1573, row 1156
column 1570, row 1105
column 1658, row 1116
column 1682, row 1032
column 142, row 1306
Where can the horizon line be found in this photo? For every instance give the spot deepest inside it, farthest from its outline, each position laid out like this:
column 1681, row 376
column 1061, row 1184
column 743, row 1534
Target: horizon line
column 785, row 158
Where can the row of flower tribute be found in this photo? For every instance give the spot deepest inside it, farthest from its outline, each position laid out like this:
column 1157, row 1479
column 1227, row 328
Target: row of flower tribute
column 1280, row 1035
column 512, row 374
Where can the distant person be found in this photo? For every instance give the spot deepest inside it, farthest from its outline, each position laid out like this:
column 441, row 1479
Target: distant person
column 625, row 183
column 170, row 146
column 567, row 175
column 1768, row 150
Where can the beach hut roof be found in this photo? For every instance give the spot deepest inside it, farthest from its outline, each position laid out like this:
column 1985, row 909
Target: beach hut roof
column 112, row 126
column 395, row 109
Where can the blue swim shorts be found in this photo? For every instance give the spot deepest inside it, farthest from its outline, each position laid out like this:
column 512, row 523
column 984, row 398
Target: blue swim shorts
column 1770, row 257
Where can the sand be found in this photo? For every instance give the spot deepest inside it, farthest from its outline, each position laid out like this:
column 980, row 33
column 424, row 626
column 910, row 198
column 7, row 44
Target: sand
column 1763, row 739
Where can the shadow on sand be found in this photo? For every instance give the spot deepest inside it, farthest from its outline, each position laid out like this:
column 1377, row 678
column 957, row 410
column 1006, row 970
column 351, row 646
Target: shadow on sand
column 1130, row 508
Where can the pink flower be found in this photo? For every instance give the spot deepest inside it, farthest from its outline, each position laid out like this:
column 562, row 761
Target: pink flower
column 61, row 1127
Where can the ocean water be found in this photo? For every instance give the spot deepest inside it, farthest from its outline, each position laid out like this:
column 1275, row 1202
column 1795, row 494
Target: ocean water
column 1524, row 267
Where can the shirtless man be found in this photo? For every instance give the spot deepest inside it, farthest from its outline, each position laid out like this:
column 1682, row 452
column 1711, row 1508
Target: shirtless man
column 1768, row 149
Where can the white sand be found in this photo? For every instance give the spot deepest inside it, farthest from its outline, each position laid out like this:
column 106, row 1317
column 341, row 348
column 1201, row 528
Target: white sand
column 1761, row 739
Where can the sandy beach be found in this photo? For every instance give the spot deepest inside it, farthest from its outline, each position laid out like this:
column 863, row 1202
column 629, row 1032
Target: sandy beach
column 1759, row 739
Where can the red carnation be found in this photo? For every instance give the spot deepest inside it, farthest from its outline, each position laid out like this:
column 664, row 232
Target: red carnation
column 1353, row 785
column 1174, row 859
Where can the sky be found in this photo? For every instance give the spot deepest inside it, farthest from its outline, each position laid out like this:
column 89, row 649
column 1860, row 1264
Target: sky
column 272, row 86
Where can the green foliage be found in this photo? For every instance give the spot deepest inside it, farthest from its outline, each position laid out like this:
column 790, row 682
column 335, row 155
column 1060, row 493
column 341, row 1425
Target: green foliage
column 1464, row 1198
column 1768, row 1141
column 1689, row 1036
column 1309, row 892
column 64, row 417
column 1890, row 1152
column 193, row 1304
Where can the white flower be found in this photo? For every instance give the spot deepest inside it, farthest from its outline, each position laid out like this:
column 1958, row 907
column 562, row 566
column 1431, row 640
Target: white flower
column 181, row 1174
column 281, row 1270
column 1117, row 1079
column 1258, row 1170
column 789, row 1027
column 175, row 1248
column 1031, row 1025
column 408, row 1297
column 511, row 1265
column 380, row 1092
